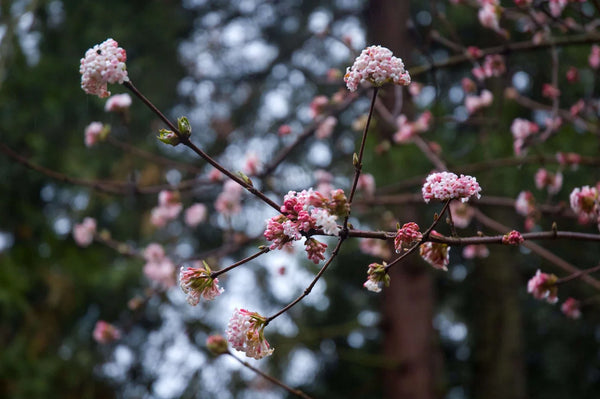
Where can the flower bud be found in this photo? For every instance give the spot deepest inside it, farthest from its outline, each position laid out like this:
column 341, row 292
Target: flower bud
column 217, row 345
column 184, row 126
column 168, row 137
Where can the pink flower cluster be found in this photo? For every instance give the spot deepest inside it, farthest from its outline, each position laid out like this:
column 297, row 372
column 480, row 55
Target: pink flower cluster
column 377, row 277
column 95, row 132
column 105, row 332
column 570, row 308
column 169, row 207
column 229, row 201
column 325, row 127
column 196, row 282
column 543, row 286
column 446, row 185
column 84, row 232
column 594, row 58
column 159, row 268
column 550, row 91
column 245, row 333
column 217, row 345
column 525, row 204
column 436, row 254
column 366, row 183
column 568, row 158
column 374, row 247
column 551, row 181
column 318, row 105
column 489, row 14
column 475, row 251
column 377, row 65
column 305, row 211
column 474, row 103
column 521, row 129
column 118, row 103
column 585, row 202
column 407, row 236
column 513, row 238
column 195, row 214
column 493, row 65
column 557, row 6
column 407, row 130
column 104, row 63
column 461, row 214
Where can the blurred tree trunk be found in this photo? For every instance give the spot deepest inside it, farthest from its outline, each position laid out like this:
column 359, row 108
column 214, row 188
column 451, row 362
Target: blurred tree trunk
column 408, row 303
column 498, row 348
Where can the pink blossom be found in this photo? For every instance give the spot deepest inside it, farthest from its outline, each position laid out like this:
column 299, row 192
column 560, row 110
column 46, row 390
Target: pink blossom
column 521, row 129
column 513, row 238
column 550, row 91
column 489, row 16
column 585, row 202
column 572, row 74
column 229, row 201
column 104, row 63
column 407, row 236
column 415, row 88
column 474, row 52
column 84, row 233
column 568, row 158
column 318, row 105
column 594, row 58
column 461, row 214
column 557, row 6
column 366, row 183
column 525, row 203
column 436, row 254
column 406, row 129
column 95, row 132
column 476, row 251
column 553, row 181
column 196, row 282
column 245, row 333
column 105, row 332
column 577, row 107
column 195, row 215
column 154, row 252
column 374, row 247
column 570, row 308
column 446, row 185
column 543, row 286
column 251, row 164
column 215, row 175
column 284, row 130
column 169, row 207
column 325, row 127
column 158, row 268
column 376, row 65
column 315, row 250
column 474, row 103
column 493, row 65
column 217, row 345
column 377, row 277
column 553, row 123
column 468, row 85
column 118, row 103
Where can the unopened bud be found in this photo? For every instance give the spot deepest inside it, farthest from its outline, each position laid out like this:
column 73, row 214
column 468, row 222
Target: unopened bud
column 245, row 178
column 354, row 159
column 217, row 345
column 168, row 137
column 184, row 126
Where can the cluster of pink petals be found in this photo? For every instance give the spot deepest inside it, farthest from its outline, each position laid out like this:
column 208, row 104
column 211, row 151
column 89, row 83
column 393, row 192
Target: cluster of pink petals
column 245, row 333
column 594, row 58
column 551, row 181
column 436, row 254
column 105, row 332
column 325, row 127
column 446, row 185
column 377, row 65
column 525, row 203
column 521, row 129
column 158, row 268
column 118, row 103
column 550, row 91
column 407, row 130
column 374, row 247
column 489, row 14
column 366, row 184
column 217, row 344
column 570, row 308
column 585, row 202
column 572, row 74
column 95, row 132
column 104, row 63
column 407, row 236
column 229, row 201
column 284, row 130
column 493, row 65
column 84, row 232
column 196, row 282
column 468, row 85
column 169, row 207
column 474, row 103
column 462, row 214
column 543, row 286
column 513, row 238
column 568, row 158
column 195, row 214
column 315, row 250
column 476, row 251
column 251, row 163
column 577, row 107
column 376, row 277
column 557, row 7
column 318, row 105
